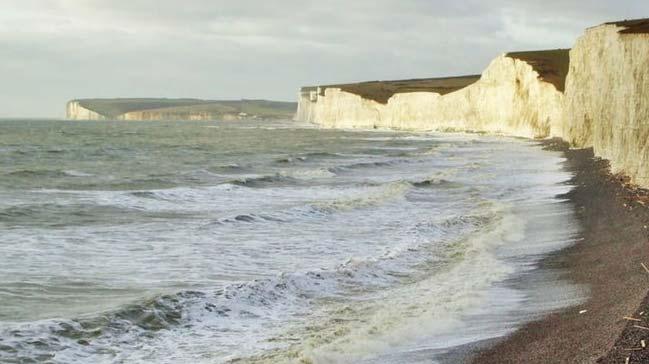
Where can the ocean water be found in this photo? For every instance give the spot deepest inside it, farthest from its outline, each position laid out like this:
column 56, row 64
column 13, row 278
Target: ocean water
column 260, row 242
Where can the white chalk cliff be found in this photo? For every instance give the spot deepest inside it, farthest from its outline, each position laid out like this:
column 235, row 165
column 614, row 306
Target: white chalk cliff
column 74, row 111
column 509, row 98
column 605, row 104
column 607, row 98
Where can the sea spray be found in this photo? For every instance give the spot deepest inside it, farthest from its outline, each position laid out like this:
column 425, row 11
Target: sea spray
column 268, row 243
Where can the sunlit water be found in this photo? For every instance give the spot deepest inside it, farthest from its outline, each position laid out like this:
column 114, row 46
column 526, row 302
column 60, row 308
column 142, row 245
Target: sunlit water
column 269, row 242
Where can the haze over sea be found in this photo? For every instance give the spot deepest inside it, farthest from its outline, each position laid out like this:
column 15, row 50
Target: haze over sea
column 208, row 242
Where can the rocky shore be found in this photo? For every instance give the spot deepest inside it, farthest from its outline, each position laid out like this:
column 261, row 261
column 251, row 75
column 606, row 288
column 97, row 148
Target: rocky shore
column 608, row 258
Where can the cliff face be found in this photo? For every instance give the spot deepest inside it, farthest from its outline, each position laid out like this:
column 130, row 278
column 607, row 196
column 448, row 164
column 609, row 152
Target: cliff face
column 602, row 102
column 607, row 98
column 74, row 111
column 508, row 98
column 306, row 105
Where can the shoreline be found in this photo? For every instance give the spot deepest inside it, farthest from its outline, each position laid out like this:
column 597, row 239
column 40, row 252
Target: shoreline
column 613, row 242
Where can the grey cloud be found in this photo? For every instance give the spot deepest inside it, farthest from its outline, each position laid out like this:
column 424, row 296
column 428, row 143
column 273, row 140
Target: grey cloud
column 51, row 51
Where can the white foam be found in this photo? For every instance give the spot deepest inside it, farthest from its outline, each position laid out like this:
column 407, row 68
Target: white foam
column 349, row 267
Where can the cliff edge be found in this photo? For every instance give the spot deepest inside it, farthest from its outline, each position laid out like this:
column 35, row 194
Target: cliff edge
column 511, row 96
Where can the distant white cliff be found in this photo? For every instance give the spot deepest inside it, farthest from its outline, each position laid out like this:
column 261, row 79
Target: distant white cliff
column 75, row 111
column 177, row 109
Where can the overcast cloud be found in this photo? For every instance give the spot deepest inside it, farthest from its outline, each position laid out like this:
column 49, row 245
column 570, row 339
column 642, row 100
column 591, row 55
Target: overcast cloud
column 55, row 50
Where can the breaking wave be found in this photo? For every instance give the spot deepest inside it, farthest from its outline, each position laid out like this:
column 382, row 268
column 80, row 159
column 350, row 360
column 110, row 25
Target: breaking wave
column 171, row 243
column 234, row 310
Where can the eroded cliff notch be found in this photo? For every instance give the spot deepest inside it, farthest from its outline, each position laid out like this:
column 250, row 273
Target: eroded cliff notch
column 551, row 65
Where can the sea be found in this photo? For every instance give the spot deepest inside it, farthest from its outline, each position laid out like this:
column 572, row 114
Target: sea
column 272, row 242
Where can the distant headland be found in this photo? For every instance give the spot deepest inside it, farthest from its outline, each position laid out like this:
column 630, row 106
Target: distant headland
column 177, row 109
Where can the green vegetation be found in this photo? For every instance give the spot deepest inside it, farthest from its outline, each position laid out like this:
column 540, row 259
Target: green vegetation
column 113, row 108
column 636, row 26
column 551, row 65
column 381, row 91
column 264, row 107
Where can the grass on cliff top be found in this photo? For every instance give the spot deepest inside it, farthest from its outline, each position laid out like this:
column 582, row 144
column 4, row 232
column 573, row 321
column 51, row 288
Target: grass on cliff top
column 551, row 65
column 114, row 107
column 261, row 108
column 635, row 26
column 381, row 91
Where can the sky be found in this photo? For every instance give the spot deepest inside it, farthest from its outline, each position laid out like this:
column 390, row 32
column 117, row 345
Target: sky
column 52, row 51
